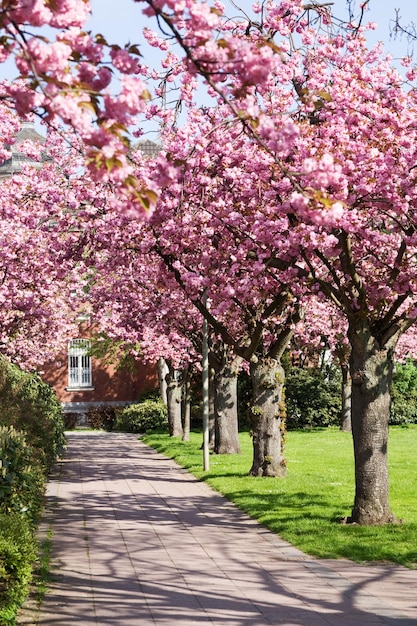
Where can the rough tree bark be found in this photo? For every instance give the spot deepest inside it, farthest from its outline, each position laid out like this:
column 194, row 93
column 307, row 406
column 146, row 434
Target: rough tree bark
column 174, row 389
column 268, row 417
column 186, row 406
column 346, row 421
column 371, row 366
column 226, row 369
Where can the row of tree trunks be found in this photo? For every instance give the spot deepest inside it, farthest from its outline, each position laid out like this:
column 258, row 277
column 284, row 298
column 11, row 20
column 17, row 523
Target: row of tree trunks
column 268, row 412
column 224, row 430
column 366, row 405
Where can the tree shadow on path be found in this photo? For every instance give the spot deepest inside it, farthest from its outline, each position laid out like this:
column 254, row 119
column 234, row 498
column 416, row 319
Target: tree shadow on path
column 138, row 541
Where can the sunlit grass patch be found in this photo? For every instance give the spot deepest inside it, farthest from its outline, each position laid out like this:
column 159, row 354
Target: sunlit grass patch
column 305, row 506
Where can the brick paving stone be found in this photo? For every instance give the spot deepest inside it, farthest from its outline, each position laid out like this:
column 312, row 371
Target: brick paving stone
column 140, row 542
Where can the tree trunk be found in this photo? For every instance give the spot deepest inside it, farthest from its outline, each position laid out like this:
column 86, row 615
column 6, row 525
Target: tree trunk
column 162, row 373
column 186, row 408
column 212, row 417
column 173, row 381
column 268, row 417
column 371, row 366
column 226, row 439
column 346, row 421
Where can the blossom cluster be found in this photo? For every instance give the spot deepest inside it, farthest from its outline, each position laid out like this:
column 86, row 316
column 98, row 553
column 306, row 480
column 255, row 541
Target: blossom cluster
column 297, row 182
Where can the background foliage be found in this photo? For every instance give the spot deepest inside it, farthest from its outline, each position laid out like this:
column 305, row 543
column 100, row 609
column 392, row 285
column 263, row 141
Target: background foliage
column 102, row 417
column 31, row 438
column 18, row 551
column 313, row 397
column 404, row 394
column 31, row 406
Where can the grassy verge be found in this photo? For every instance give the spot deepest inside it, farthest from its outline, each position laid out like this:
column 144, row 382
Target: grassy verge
column 304, row 507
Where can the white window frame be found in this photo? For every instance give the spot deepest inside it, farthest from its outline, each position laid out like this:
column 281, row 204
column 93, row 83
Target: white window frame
column 79, row 364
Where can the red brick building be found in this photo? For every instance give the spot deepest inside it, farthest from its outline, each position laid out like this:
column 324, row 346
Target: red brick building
column 82, row 381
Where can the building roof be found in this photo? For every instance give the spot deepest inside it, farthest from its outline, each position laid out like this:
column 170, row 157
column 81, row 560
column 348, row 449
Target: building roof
column 28, row 132
column 148, row 148
column 14, row 164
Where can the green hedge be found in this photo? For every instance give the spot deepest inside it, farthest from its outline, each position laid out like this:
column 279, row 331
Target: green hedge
column 22, row 478
column 314, row 396
column 151, row 414
column 31, row 439
column 18, row 551
column 31, row 406
column 404, row 394
column 22, row 483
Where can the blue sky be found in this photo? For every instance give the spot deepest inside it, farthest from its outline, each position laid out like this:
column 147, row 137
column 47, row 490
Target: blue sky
column 126, row 22
column 383, row 13
column 122, row 21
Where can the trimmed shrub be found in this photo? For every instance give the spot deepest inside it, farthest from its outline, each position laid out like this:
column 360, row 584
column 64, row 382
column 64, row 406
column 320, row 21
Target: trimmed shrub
column 22, row 480
column 101, row 417
column 70, row 420
column 31, row 439
column 18, row 551
column 144, row 416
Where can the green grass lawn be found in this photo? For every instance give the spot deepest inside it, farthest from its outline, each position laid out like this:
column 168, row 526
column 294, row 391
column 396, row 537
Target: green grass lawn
column 304, row 507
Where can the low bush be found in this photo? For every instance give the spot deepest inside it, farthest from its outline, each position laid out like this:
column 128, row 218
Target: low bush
column 102, row 417
column 31, row 439
column 143, row 416
column 22, row 478
column 18, row 551
column 70, row 420
column 403, row 411
column 31, row 406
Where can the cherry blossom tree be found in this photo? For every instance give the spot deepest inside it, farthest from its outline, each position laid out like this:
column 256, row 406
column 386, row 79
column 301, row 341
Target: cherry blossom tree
column 331, row 128
column 338, row 126
column 206, row 232
column 135, row 304
column 137, row 301
column 362, row 259
column 37, row 311
column 67, row 75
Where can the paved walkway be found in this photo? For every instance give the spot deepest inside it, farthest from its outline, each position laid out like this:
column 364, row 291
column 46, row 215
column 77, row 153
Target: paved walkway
column 138, row 541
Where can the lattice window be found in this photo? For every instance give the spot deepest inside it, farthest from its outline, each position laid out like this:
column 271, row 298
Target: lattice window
column 79, row 363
